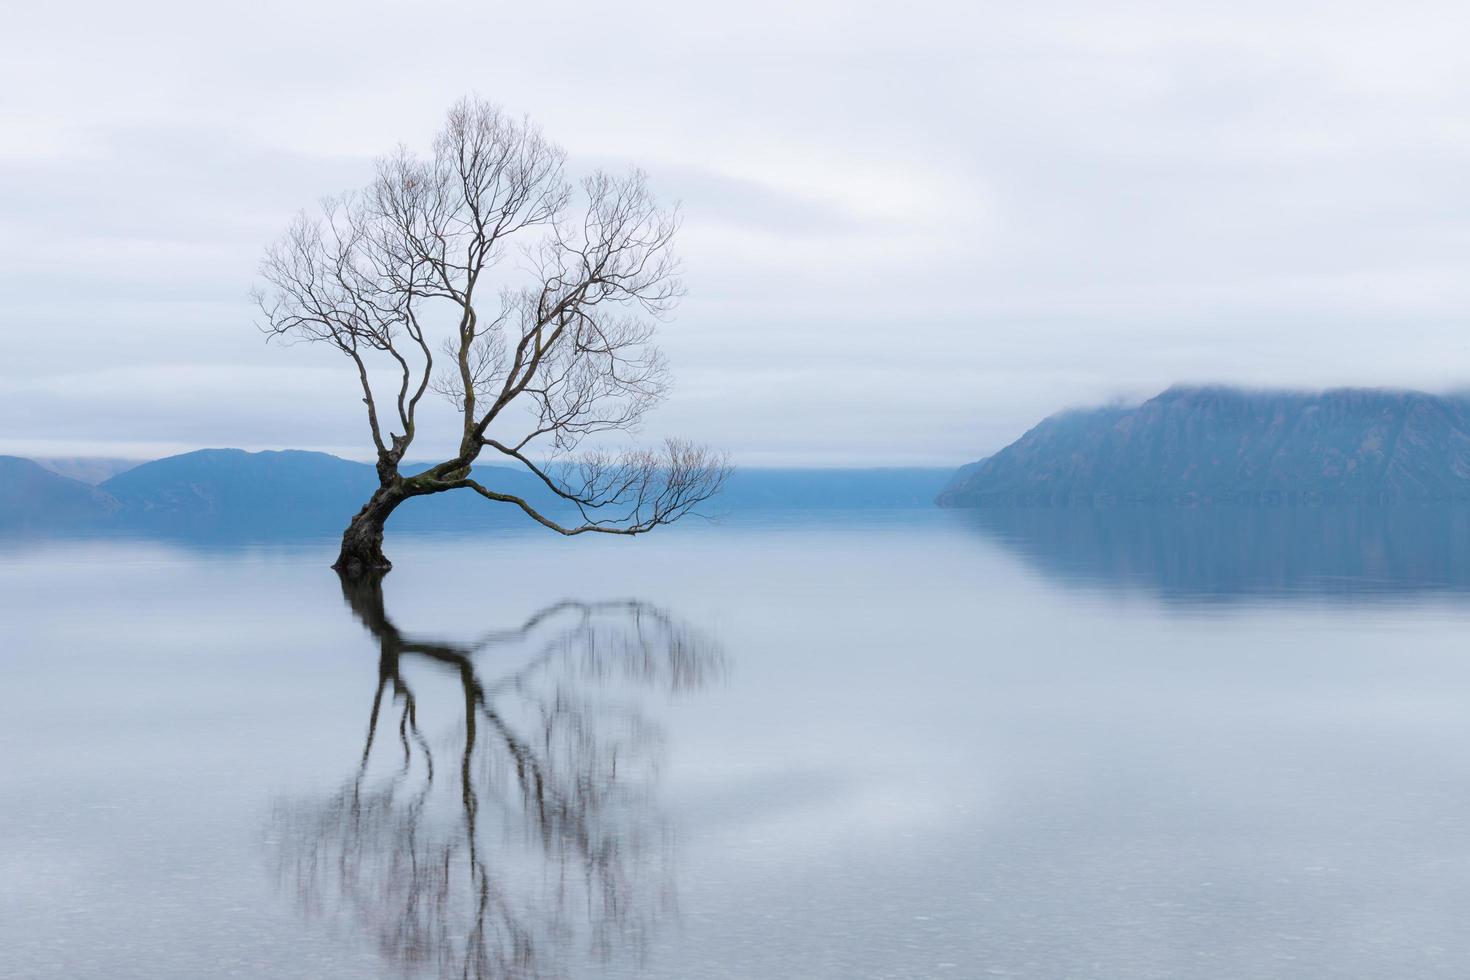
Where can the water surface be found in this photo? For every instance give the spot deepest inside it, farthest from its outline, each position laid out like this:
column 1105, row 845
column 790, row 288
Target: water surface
column 1086, row 745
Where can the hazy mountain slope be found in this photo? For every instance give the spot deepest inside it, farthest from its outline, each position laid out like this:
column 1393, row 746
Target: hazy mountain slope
column 292, row 489
column 34, row 497
column 296, row 492
column 234, row 482
column 1223, row 443
column 87, row 469
column 223, row 491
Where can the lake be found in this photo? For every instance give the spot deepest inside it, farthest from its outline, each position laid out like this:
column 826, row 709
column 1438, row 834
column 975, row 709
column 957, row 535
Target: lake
column 1052, row 744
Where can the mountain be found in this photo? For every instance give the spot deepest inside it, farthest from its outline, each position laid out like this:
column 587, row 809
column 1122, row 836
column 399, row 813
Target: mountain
column 32, row 497
column 232, row 481
column 1215, row 444
column 290, row 493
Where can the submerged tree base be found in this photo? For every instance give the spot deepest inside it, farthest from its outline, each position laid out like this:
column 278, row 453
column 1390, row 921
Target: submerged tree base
column 362, row 542
column 360, row 564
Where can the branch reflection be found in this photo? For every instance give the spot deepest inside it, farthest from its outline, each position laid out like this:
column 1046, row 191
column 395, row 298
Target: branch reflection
column 529, row 833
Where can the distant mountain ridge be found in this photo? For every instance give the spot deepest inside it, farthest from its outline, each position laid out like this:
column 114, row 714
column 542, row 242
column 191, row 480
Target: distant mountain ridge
column 33, row 497
column 293, row 492
column 1211, row 443
column 219, row 480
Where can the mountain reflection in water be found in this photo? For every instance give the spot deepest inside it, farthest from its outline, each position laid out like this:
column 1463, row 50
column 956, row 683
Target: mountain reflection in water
column 526, row 834
column 1225, row 552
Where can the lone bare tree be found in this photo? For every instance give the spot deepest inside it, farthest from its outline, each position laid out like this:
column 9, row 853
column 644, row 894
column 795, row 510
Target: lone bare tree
column 535, row 355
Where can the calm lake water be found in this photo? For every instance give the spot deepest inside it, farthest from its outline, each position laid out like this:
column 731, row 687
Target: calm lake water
column 1046, row 744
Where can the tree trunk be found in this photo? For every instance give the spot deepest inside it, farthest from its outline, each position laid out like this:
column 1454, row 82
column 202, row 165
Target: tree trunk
column 362, row 542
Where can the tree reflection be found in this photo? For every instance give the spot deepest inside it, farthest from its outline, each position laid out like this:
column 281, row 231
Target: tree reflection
column 535, row 833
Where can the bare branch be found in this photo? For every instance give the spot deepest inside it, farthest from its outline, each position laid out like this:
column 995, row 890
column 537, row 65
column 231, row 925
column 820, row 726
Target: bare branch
column 642, row 489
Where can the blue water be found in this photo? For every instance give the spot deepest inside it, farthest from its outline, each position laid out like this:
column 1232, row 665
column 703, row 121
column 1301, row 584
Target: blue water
column 1032, row 744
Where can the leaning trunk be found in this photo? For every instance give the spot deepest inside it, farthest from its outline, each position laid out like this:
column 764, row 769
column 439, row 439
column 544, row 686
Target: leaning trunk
column 362, row 542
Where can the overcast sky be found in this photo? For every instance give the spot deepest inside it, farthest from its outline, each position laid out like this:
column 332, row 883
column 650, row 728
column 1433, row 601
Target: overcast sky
column 911, row 229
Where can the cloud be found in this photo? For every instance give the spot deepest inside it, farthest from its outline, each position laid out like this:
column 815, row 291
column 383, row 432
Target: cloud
column 909, row 231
